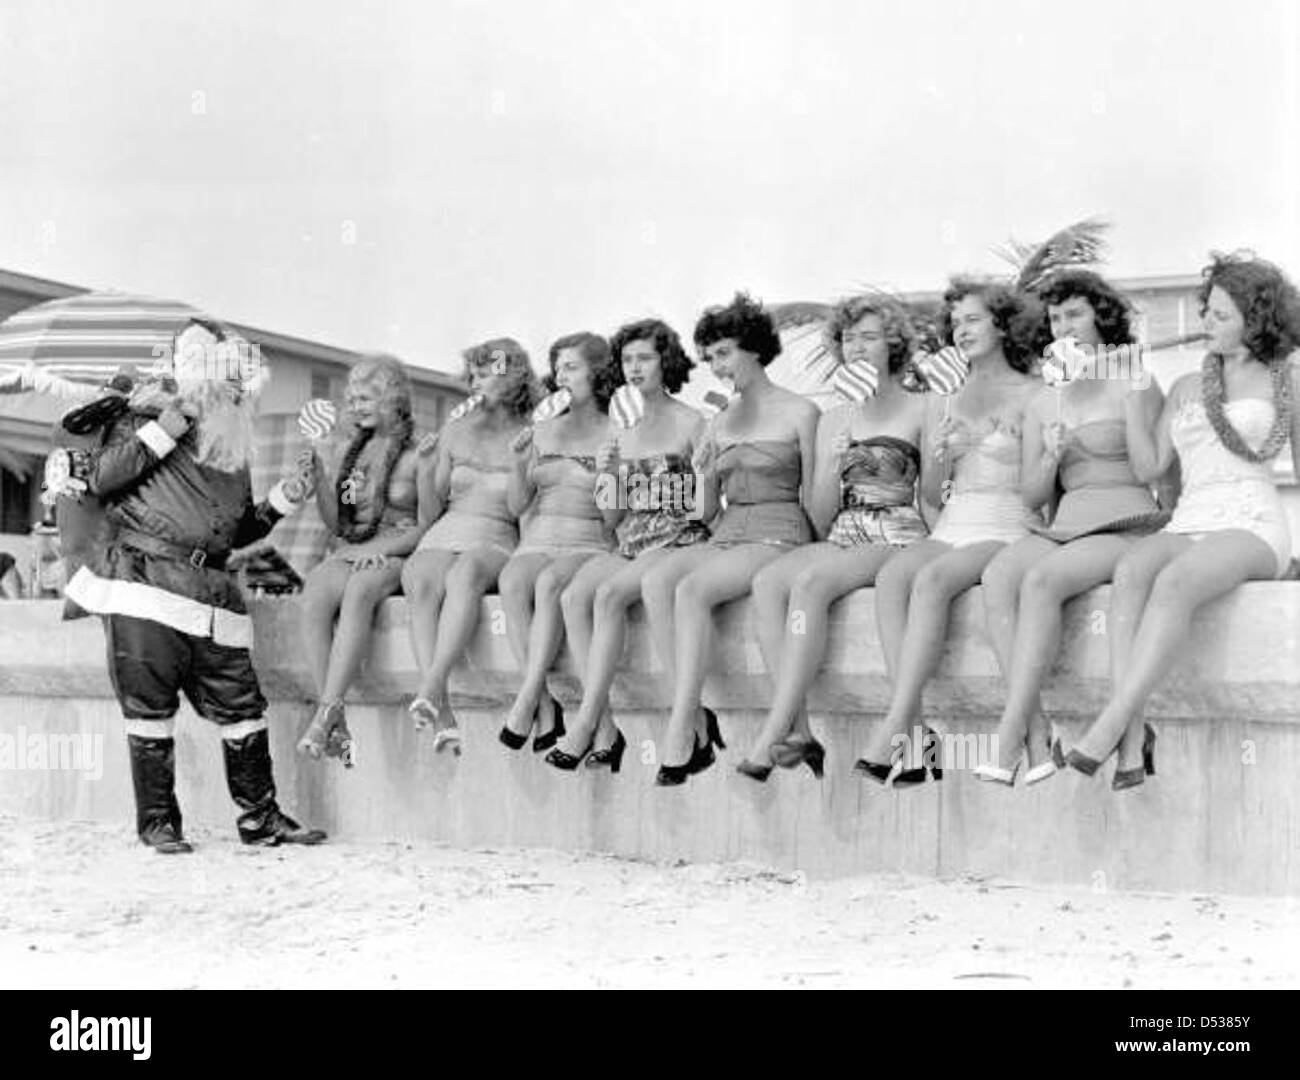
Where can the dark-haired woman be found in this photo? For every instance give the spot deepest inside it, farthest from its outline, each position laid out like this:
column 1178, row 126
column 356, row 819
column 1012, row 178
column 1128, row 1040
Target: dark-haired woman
column 1225, row 424
column 974, row 439
column 864, row 502
column 471, row 528
column 555, row 479
column 371, row 509
column 650, row 466
column 758, row 454
column 1076, row 434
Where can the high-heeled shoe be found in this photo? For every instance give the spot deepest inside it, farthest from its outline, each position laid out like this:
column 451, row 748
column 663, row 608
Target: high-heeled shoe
column 546, row 740
column 711, row 729
column 426, row 715
column 314, row 740
column 612, row 755
column 931, row 750
column 753, row 771
column 791, row 753
column 341, row 743
column 673, row 775
column 1131, row 778
column 998, row 775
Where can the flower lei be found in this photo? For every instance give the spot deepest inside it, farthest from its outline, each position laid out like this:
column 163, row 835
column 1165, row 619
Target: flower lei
column 1213, row 393
column 351, row 479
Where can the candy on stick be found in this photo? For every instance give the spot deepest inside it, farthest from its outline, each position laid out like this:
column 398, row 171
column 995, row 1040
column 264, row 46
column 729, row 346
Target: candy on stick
column 856, row 382
column 316, row 419
column 627, row 406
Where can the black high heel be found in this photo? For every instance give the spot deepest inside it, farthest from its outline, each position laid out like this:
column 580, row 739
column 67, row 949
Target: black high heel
column 514, row 739
column 791, row 754
column 711, row 729
column 754, row 772
column 1131, row 778
column 545, row 741
column 912, row 777
column 564, row 761
column 612, row 755
column 673, row 775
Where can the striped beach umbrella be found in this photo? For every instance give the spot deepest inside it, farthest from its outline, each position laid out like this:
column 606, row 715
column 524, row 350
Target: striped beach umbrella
column 70, row 346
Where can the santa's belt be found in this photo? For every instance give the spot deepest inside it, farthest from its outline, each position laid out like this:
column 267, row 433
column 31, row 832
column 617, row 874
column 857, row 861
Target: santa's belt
column 199, row 558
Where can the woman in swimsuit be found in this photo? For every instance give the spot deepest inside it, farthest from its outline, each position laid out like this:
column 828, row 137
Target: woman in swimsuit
column 1225, row 424
column 863, row 503
column 758, row 455
column 1075, row 435
column 371, row 510
column 555, row 474
column 650, row 466
column 974, row 442
column 471, row 530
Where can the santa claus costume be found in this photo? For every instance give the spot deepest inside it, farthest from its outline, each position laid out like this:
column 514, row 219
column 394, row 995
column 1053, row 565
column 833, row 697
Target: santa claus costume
column 173, row 474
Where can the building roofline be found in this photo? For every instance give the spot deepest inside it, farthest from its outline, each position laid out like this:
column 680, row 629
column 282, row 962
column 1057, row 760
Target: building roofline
column 42, row 289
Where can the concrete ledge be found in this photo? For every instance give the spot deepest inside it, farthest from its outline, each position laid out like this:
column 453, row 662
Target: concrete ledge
column 1223, row 815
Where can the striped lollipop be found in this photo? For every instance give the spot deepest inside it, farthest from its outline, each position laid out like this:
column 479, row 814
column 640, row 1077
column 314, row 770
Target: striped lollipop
column 465, row 407
column 627, row 407
column 552, row 405
column 856, row 382
column 943, row 372
column 316, row 419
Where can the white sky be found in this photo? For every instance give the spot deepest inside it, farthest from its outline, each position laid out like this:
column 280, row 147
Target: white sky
column 537, row 168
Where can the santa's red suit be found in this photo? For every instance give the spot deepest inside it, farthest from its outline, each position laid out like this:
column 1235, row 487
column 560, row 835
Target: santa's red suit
column 175, row 617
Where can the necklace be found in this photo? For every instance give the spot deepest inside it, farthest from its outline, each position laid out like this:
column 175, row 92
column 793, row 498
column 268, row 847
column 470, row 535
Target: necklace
column 1213, row 393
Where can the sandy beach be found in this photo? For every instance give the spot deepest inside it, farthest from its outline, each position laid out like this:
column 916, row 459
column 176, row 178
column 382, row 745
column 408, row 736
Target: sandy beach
column 82, row 905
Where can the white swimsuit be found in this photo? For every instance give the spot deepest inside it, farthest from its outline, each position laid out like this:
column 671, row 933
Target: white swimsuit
column 1221, row 490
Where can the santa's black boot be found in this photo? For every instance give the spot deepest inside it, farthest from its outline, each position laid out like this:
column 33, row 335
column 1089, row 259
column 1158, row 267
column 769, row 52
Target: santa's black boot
column 248, row 773
column 157, row 814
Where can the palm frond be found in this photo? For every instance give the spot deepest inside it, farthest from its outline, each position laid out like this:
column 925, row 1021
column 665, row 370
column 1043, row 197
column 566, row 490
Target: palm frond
column 1080, row 244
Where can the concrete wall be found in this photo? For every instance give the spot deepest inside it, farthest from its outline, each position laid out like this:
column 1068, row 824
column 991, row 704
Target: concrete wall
column 1223, row 814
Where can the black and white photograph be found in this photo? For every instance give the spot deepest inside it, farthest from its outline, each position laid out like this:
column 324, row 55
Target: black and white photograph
column 703, row 494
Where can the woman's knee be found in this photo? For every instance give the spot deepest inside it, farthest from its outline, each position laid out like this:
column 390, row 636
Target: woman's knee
column 770, row 588
column 1041, row 585
column 613, row 597
column 934, row 583
column 811, row 590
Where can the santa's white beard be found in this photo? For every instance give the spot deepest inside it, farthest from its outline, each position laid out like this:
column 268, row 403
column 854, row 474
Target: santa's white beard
column 225, row 437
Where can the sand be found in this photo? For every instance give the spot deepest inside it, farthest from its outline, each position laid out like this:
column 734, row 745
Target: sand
column 82, row 905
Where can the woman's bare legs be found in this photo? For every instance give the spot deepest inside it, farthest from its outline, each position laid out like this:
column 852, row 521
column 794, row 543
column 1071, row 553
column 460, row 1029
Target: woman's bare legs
column 322, row 597
column 1044, row 588
column 364, row 592
column 472, row 575
column 1208, row 569
column 1001, row 591
column 934, row 587
column 577, row 603
column 721, row 576
column 659, row 595
column 424, row 582
column 802, row 586
column 613, row 592
column 517, row 585
column 545, row 637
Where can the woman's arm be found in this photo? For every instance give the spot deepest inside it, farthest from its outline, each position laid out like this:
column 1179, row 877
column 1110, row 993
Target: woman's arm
column 824, row 503
column 704, row 462
column 1150, row 446
column 327, row 499
column 1295, row 413
column 936, row 460
column 806, row 424
column 1040, row 448
column 521, row 489
column 432, row 483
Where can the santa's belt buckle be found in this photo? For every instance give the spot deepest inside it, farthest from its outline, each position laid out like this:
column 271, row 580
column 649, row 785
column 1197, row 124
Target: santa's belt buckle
column 198, row 558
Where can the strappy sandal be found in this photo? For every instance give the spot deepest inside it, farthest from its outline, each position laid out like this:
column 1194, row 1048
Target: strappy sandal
column 314, row 742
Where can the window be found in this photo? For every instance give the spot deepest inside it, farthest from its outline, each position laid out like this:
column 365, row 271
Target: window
column 320, row 385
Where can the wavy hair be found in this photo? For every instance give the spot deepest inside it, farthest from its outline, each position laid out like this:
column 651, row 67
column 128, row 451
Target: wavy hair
column 1268, row 302
column 606, row 373
column 743, row 321
column 389, row 376
column 675, row 364
column 1111, row 310
column 900, row 335
column 1017, row 315
column 514, row 358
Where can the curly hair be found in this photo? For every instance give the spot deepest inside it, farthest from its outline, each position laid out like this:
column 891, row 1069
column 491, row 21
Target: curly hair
column 1015, row 314
column 894, row 319
column 388, row 374
column 1267, row 300
column 606, row 373
column 514, row 357
column 675, row 364
column 1111, row 310
column 743, row 321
